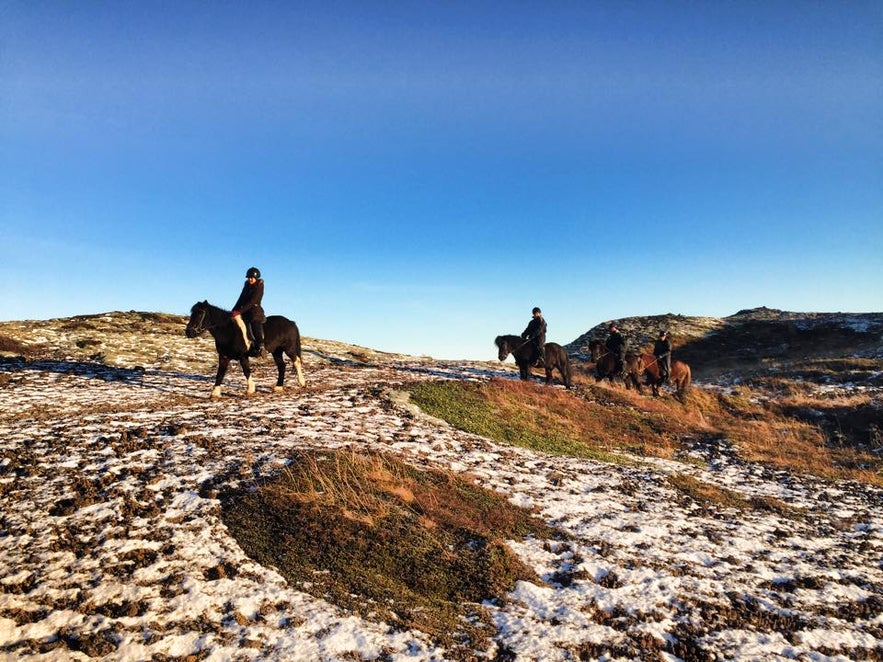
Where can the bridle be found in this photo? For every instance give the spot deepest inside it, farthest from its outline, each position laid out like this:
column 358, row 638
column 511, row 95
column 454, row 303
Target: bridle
column 200, row 327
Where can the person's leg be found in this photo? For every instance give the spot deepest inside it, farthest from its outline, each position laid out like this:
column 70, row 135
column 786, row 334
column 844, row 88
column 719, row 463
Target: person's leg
column 257, row 330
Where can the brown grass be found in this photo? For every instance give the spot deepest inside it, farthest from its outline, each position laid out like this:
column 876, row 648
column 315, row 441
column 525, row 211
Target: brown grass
column 12, row 346
column 773, row 432
column 714, row 497
column 372, row 534
column 598, row 419
column 589, row 423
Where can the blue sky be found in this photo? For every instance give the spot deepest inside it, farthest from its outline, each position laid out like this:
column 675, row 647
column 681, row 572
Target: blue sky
column 416, row 176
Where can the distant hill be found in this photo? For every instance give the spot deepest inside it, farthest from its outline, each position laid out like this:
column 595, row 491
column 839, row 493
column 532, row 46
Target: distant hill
column 759, row 338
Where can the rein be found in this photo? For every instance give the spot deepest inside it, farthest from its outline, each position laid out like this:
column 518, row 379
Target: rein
column 512, row 350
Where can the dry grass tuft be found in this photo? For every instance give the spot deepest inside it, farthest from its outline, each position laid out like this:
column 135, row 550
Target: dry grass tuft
column 716, row 498
column 388, row 541
column 9, row 345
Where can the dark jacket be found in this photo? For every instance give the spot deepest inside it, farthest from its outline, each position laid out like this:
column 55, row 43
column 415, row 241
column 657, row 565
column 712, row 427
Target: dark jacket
column 616, row 343
column 249, row 302
column 662, row 349
column 536, row 331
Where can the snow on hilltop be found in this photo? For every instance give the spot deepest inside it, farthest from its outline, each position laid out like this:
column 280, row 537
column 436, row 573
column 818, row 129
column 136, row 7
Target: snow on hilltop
column 111, row 549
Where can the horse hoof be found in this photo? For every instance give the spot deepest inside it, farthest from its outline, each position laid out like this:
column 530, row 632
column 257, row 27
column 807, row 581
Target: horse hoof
column 278, row 389
column 216, row 392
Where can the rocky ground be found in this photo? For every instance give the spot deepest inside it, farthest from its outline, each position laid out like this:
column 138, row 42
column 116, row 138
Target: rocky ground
column 112, row 545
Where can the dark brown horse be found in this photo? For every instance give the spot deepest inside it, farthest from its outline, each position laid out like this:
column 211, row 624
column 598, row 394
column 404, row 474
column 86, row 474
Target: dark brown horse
column 605, row 365
column 681, row 375
column 526, row 356
column 281, row 335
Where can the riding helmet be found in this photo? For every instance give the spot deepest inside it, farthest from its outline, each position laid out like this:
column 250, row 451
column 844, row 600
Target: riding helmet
column 254, row 272
column 536, row 310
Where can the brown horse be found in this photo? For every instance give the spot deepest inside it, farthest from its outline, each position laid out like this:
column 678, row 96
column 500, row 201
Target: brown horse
column 681, row 375
column 557, row 359
column 605, row 365
column 526, row 355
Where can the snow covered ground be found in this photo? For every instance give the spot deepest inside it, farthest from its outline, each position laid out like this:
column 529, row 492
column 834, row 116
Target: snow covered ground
column 112, row 545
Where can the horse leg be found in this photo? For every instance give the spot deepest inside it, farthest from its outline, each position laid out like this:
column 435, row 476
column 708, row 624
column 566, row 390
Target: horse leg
column 223, row 362
column 246, row 370
column 549, row 375
column 299, row 367
column 280, row 369
column 653, row 379
column 524, row 371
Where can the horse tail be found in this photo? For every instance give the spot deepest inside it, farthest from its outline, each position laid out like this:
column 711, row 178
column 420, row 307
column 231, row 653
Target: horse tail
column 688, row 377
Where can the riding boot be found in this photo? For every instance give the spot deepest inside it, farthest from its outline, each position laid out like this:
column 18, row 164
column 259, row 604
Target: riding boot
column 257, row 348
column 541, row 356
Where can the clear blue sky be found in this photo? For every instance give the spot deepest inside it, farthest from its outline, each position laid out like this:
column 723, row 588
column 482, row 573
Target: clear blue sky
column 416, row 176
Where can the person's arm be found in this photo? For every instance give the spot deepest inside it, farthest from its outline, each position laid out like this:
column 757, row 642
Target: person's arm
column 250, row 297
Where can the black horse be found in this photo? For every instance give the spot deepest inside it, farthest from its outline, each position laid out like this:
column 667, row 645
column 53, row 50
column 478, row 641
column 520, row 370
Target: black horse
column 605, row 365
column 280, row 336
column 526, row 355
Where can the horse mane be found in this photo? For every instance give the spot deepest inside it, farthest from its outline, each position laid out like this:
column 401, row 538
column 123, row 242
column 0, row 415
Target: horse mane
column 211, row 307
column 510, row 339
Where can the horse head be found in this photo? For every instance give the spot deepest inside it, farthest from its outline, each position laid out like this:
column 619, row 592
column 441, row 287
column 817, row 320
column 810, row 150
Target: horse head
column 199, row 322
column 502, row 345
column 597, row 349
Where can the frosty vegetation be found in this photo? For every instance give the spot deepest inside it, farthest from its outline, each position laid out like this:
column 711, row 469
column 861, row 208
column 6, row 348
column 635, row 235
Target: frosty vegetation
column 399, row 508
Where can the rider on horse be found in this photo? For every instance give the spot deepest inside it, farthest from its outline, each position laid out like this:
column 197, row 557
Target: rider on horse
column 536, row 333
column 249, row 306
column 618, row 347
column 662, row 352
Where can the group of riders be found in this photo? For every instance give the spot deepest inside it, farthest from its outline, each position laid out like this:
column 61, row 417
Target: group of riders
column 616, row 344
column 248, row 312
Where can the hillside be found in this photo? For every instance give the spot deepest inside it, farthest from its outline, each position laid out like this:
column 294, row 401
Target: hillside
column 141, row 519
column 753, row 340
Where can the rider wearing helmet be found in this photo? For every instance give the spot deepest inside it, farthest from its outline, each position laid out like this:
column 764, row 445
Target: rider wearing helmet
column 536, row 333
column 249, row 306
